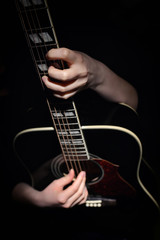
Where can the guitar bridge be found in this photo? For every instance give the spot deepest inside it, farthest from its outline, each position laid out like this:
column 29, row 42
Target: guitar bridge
column 99, row 201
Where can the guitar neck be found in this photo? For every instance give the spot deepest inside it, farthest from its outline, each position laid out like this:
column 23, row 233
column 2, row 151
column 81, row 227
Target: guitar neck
column 39, row 31
column 69, row 132
column 41, row 37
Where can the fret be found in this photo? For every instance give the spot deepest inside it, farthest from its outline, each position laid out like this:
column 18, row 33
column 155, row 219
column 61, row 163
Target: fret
column 32, row 8
column 64, row 126
column 68, row 112
column 35, row 19
column 41, row 61
column 71, row 139
column 40, row 51
column 38, row 29
column 31, row 3
column 78, row 151
column 69, row 136
column 44, row 46
column 71, row 126
column 74, row 145
column 75, row 133
column 73, row 149
column 69, row 144
column 70, row 133
column 43, row 73
column 66, row 118
column 75, row 156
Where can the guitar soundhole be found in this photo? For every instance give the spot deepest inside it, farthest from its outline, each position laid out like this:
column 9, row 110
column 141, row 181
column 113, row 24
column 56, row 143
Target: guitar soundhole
column 94, row 171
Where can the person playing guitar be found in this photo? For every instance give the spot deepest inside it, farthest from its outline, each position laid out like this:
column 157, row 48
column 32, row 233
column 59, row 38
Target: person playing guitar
column 83, row 72
column 68, row 186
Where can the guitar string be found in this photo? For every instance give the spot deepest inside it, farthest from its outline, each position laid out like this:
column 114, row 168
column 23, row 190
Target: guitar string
column 63, row 128
column 47, row 49
column 38, row 53
column 72, row 147
column 29, row 42
column 40, row 48
column 27, row 35
column 37, row 48
column 65, row 140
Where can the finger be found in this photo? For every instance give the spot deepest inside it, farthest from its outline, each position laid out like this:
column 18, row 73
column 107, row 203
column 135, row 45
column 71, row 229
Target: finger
column 58, row 91
column 64, row 87
column 68, row 94
column 57, row 85
column 78, row 195
column 72, row 189
column 62, row 74
column 62, row 182
column 63, row 54
column 82, row 199
column 65, row 95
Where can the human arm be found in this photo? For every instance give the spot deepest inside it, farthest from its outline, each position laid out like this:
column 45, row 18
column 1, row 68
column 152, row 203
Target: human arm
column 86, row 72
column 54, row 195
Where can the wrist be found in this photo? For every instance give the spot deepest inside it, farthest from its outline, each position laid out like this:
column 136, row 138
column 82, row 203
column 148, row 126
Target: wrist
column 96, row 77
column 95, row 71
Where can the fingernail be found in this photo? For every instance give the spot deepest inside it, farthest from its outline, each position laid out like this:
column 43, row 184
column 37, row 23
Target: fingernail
column 71, row 171
column 44, row 78
column 83, row 173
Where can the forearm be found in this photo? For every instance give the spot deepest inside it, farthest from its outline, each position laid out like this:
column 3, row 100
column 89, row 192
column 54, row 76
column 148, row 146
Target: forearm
column 24, row 193
column 110, row 86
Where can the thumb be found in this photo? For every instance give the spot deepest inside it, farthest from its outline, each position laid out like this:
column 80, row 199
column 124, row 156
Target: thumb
column 67, row 179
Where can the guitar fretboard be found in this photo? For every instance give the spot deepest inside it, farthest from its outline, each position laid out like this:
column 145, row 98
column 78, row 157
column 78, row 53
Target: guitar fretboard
column 69, row 131
column 39, row 30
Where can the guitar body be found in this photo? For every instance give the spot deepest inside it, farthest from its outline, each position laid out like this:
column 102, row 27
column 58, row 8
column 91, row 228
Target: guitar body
column 115, row 155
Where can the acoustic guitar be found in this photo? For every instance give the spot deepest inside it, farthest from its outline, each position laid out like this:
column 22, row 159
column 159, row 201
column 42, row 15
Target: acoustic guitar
column 104, row 143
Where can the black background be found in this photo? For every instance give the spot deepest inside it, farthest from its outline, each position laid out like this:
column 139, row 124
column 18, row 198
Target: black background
column 127, row 32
